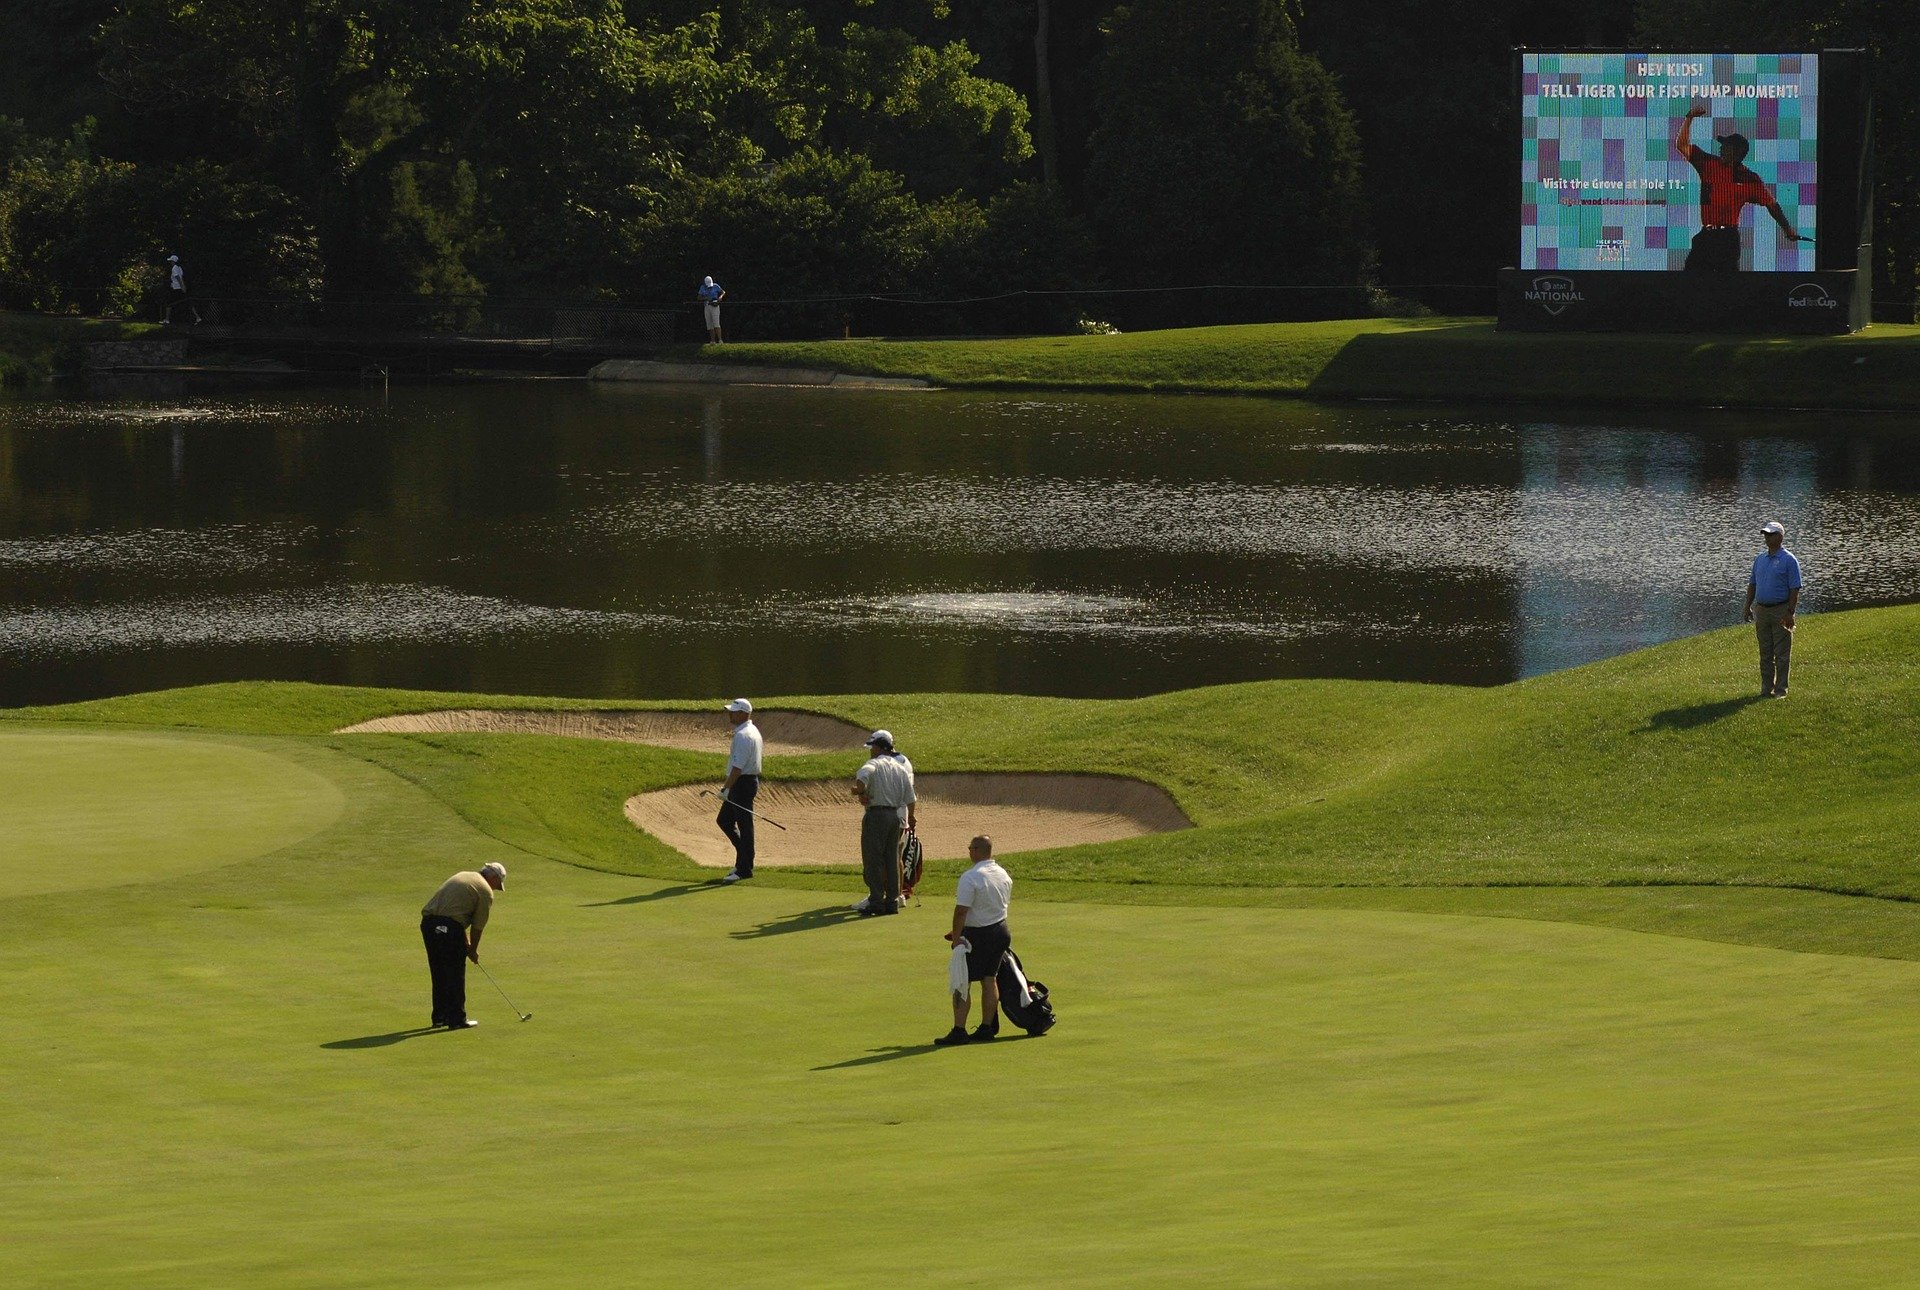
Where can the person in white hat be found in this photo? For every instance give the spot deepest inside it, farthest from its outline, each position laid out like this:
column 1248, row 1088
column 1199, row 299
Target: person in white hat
column 711, row 294
column 885, row 787
column 451, row 925
column 742, row 786
column 177, row 291
column 1773, row 595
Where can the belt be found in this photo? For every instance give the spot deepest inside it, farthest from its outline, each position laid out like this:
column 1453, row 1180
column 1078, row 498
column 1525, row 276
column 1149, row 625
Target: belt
column 1718, row 228
column 1769, row 604
column 901, row 807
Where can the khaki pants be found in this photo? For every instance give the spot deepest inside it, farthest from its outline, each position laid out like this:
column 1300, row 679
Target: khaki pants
column 880, row 831
column 1776, row 645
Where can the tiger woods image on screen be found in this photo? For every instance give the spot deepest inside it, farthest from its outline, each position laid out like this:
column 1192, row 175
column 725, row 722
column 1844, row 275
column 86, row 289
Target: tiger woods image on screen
column 1726, row 186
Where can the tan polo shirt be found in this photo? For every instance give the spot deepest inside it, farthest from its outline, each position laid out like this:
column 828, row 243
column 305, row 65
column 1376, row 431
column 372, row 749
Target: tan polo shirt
column 466, row 898
column 888, row 779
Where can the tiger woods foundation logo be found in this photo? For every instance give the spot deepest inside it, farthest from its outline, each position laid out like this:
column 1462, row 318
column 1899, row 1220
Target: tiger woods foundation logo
column 1554, row 293
column 1810, row 295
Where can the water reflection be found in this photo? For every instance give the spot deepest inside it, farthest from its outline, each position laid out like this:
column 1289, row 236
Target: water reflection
column 630, row 541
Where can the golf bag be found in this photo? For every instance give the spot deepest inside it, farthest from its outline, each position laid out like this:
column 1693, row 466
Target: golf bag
column 1024, row 1001
column 912, row 865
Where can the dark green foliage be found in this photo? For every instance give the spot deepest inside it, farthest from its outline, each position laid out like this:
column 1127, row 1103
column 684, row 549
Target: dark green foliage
column 81, row 233
column 923, row 112
column 808, row 224
column 1224, row 153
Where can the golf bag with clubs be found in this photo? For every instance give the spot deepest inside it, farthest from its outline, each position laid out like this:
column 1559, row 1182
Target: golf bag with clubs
column 912, row 865
column 1024, row 1001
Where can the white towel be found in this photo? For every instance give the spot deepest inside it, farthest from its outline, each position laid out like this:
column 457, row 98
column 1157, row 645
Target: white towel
column 957, row 967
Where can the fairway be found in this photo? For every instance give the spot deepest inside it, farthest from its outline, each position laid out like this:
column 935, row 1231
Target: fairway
column 96, row 810
column 1301, row 1042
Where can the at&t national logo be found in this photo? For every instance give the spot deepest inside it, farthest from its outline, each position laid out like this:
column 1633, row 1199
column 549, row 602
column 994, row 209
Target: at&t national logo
column 1553, row 292
column 1810, row 295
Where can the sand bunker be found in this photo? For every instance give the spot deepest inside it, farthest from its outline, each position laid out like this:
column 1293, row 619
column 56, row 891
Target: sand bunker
column 787, row 734
column 1020, row 813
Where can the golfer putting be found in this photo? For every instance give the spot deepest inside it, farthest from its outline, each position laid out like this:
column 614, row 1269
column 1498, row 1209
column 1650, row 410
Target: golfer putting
column 451, row 924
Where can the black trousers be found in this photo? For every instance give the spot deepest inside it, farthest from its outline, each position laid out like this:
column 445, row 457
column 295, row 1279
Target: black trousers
column 880, row 830
column 737, row 824
column 1714, row 250
column 447, row 960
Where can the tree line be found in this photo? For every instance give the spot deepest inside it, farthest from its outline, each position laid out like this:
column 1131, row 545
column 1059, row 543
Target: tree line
column 618, row 149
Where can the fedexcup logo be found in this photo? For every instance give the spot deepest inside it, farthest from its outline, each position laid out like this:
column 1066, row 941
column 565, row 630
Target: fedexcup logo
column 1554, row 293
column 1810, row 295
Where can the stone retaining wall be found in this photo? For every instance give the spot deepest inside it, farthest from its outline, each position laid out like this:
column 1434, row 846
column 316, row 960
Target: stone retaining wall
column 107, row 355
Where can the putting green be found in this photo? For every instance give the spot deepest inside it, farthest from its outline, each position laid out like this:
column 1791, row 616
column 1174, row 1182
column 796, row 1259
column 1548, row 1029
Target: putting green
column 734, row 1084
column 96, row 810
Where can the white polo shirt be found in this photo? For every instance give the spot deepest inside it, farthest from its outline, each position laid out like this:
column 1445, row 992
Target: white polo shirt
column 888, row 778
column 744, row 755
column 985, row 889
column 179, row 278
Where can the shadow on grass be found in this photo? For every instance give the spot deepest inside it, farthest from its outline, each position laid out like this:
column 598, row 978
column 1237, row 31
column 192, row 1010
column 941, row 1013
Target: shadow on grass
column 1424, row 359
column 665, row 893
column 894, row 1052
column 825, row 916
column 1699, row 714
column 391, row 1037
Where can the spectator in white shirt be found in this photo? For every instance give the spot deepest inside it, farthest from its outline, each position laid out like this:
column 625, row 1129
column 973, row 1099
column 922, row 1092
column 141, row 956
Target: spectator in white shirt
column 177, row 291
column 885, row 787
column 980, row 919
column 743, row 783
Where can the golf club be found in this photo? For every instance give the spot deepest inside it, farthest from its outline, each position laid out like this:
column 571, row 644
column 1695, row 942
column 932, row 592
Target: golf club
column 524, row 1016
column 722, row 797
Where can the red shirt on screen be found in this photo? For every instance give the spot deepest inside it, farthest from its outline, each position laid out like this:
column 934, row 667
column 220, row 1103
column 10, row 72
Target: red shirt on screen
column 1725, row 188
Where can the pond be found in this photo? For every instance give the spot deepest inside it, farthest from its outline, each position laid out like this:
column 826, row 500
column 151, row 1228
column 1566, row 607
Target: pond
column 646, row 541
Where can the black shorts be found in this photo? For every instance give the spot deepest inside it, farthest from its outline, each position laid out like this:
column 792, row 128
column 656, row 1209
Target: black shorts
column 987, row 946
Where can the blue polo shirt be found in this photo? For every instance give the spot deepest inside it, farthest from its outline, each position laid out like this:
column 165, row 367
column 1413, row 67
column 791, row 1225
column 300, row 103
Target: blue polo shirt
column 710, row 294
column 1775, row 576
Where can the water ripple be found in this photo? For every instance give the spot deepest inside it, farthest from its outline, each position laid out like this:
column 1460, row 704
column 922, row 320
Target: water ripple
column 341, row 615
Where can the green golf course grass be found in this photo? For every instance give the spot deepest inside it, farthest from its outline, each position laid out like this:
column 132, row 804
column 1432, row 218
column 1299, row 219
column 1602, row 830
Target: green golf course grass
column 1462, row 359
column 1289, row 1053
column 98, row 810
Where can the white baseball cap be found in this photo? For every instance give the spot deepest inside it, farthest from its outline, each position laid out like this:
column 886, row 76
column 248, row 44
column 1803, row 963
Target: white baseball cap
column 1773, row 526
column 880, row 737
column 494, row 869
column 739, row 705
column 173, row 259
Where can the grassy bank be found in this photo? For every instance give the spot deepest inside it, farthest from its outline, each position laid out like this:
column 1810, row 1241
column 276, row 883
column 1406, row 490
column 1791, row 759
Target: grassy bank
column 34, row 346
column 217, row 1069
column 1652, row 770
column 1442, row 358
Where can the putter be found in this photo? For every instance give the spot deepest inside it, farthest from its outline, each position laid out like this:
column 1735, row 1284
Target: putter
column 524, row 1016
column 722, row 797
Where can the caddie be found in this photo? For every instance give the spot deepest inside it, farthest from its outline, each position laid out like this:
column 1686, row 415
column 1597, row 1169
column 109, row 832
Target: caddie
column 885, row 787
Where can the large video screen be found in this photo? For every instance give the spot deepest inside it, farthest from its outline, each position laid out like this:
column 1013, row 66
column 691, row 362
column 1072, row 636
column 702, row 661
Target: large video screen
column 1669, row 161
